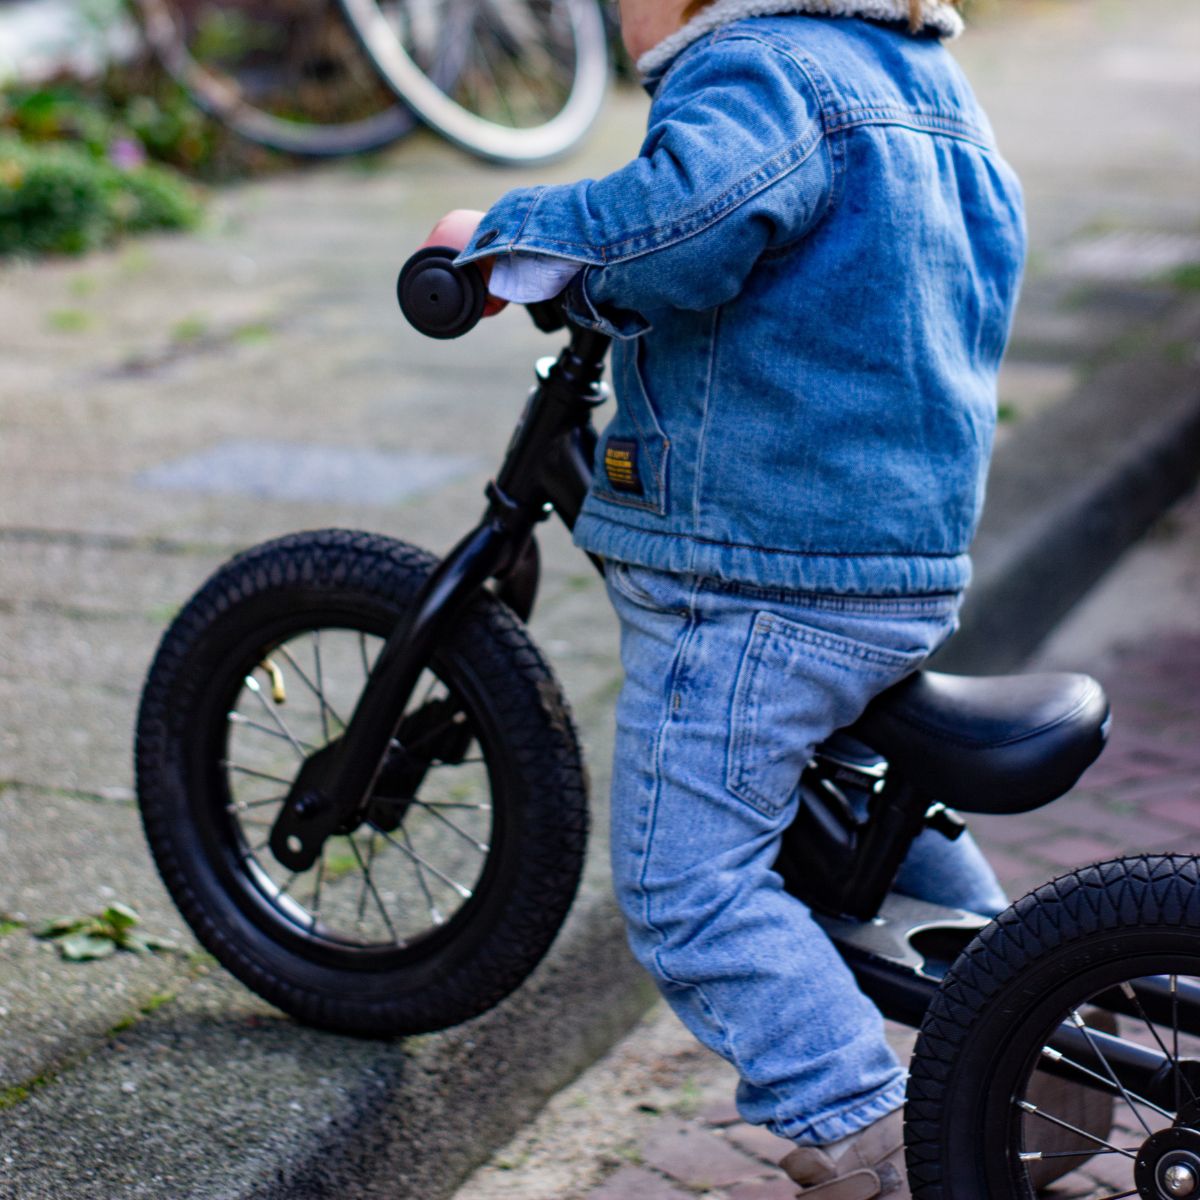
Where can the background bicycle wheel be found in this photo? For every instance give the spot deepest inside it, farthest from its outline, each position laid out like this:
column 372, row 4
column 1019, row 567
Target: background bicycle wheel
column 287, row 74
column 513, row 81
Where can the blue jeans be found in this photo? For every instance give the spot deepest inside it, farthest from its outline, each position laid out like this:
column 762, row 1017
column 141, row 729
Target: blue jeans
column 727, row 690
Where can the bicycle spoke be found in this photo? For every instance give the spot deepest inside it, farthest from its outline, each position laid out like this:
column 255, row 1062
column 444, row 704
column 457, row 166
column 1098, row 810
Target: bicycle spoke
column 1057, row 1057
column 241, row 719
column 434, row 913
column 1131, row 994
column 1082, row 1026
column 1033, row 1110
column 253, row 686
column 1175, row 1036
column 308, row 683
column 482, row 847
column 315, row 636
column 320, row 879
column 464, row 892
column 362, row 899
column 247, row 805
column 1046, row 1155
column 232, row 766
column 370, row 883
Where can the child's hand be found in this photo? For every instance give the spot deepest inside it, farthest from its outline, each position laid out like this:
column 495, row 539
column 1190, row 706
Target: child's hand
column 456, row 229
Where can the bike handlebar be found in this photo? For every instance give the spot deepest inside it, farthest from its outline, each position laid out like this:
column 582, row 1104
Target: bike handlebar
column 438, row 298
column 442, row 300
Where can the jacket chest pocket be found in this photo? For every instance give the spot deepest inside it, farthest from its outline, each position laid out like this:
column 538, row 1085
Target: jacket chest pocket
column 631, row 466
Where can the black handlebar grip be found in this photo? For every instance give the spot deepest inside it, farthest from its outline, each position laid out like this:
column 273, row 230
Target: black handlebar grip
column 438, row 298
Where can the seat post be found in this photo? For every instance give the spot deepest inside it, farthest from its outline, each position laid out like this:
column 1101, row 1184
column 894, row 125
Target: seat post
column 896, row 817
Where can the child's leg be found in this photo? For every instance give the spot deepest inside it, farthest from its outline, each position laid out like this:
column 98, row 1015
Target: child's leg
column 951, row 873
column 725, row 696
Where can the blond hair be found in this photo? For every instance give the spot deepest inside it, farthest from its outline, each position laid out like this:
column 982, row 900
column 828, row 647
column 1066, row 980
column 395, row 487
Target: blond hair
column 695, row 7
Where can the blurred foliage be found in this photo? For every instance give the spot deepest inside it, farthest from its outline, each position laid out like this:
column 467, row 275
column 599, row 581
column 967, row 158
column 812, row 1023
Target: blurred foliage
column 62, row 198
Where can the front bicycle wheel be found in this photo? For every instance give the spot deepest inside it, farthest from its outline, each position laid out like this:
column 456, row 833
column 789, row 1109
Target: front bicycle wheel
column 448, row 891
column 1104, row 962
column 286, row 74
column 512, row 81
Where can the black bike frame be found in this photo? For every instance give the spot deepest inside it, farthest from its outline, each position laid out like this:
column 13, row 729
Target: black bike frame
column 548, row 466
column 897, row 948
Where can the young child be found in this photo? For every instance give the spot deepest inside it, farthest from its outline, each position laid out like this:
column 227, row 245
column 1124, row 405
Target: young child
column 810, row 273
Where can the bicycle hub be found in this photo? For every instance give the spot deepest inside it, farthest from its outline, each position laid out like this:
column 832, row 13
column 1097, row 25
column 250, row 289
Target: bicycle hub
column 1168, row 1165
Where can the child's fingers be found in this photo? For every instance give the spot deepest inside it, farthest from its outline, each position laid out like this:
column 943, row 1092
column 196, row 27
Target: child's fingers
column 455, row 229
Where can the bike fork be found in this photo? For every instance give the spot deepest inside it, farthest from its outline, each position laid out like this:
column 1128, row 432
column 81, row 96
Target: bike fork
column 331, row 790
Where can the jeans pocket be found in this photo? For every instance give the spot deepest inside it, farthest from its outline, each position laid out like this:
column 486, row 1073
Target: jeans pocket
column 656, row 591
column 797, row 684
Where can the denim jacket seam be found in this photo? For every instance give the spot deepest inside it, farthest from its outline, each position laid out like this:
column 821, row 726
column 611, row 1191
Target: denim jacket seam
column 807, row 553
column 827, row 103
column 614, row 497
column 537, row 199
column 653, row 240
column 702, row 441
column 946, row 126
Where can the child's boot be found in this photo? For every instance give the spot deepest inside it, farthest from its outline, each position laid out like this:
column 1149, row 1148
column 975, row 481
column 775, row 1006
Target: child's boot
column 866, row 1165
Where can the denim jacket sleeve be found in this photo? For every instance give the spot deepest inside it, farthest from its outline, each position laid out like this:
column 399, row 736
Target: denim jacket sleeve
column 734, row 164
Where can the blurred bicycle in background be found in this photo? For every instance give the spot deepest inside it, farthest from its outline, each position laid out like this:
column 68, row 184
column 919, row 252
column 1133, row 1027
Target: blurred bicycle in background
column 512, row 81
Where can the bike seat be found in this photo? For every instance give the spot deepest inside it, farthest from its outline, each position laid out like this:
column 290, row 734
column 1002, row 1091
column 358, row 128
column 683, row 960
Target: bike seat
column 1001, row 744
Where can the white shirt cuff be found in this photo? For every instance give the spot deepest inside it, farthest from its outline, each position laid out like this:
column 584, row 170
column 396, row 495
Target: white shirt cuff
column 527, row 278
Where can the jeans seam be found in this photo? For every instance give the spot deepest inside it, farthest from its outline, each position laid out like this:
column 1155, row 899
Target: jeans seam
column 668, row 716
column 730, row 1051
column 737, row 778
column 805, row 1128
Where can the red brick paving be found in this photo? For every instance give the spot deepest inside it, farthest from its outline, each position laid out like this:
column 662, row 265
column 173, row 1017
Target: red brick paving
column 689, row 1153
column 1143, row 794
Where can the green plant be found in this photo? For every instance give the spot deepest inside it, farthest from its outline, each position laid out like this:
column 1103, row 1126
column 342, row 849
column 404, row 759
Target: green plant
column 61, row 199
column 81, row 939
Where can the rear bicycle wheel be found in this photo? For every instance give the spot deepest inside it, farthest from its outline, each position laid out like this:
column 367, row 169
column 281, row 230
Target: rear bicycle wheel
column 286, row 74
column 512, row 81
column 448, row 892
column 1120, row 939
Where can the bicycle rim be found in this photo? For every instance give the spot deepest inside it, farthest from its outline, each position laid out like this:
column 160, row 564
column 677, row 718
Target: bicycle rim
column 285, row 74
column 512, row 81
column 1149, row 1134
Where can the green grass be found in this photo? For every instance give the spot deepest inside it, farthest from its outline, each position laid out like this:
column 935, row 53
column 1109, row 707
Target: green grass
column 253, row 333
column 190, row 329
column 69, row 320
column 1186, row 278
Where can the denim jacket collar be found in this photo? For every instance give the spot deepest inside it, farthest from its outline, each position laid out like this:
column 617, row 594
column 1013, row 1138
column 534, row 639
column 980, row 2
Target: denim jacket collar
column 940, row 18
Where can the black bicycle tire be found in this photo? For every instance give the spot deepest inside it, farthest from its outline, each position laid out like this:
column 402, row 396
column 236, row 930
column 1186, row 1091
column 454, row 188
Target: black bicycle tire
column 488, row 140
column 290, row 137
column 543, row 856
column 1052, row 938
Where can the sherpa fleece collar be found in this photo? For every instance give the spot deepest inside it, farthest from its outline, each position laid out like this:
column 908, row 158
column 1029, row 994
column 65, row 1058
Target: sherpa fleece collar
column 940, row 18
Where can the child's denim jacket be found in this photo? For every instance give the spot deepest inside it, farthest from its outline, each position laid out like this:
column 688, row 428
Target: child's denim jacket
column 811, row 271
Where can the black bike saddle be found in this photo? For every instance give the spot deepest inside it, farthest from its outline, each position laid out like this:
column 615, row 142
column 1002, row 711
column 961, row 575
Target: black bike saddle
column 1000, row 744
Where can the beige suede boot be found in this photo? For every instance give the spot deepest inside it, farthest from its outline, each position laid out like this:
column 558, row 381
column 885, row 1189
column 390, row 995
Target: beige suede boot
column 866, row 1165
